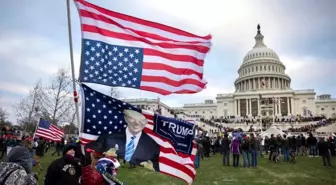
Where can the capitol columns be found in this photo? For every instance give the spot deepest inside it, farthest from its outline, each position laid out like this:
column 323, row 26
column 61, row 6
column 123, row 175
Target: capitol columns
column 250, row 107
column 292, row 106
column 247, row 106
column 258, row 100
column 288, row 106
column 235, row 108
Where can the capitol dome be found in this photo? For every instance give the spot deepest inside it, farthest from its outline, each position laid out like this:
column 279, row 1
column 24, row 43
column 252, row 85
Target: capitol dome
column 261, row 69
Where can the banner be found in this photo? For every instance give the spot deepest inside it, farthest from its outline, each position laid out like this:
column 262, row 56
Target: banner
column 179, row 132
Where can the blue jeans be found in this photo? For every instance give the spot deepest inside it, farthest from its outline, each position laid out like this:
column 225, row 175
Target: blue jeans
column 246, row 159
column 197, row 161
column 254, row 157
column 312, row 150
column 226, row 157
column 286, row 155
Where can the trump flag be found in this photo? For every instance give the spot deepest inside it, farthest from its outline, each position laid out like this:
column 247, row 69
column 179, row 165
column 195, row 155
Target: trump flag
column 141, row 137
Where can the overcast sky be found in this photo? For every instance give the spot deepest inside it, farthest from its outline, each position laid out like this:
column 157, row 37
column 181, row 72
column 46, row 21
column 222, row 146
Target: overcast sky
column 34, row 41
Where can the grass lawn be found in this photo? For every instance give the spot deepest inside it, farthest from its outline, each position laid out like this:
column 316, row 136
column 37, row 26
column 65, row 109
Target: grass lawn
column 307, row 171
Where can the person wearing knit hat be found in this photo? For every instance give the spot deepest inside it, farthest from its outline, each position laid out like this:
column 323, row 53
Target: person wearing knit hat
column 65, row 170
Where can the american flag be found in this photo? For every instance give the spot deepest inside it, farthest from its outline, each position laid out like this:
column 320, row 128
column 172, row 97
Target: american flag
column 48, row 131
column 121, row 50
column 104, row 115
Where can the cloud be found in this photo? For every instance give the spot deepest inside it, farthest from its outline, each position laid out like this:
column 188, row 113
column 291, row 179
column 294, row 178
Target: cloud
column 309, row 72
column 14, row 88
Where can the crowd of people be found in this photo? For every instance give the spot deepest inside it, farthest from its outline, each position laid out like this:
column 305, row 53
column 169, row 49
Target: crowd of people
column 249, row 147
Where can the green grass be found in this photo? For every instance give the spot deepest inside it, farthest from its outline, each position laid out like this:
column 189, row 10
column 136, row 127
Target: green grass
column 307, row 171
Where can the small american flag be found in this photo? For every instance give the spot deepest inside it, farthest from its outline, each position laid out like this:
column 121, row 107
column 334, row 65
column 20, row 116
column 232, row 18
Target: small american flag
column 48, row 131
column 121, row 50
column 103, row 115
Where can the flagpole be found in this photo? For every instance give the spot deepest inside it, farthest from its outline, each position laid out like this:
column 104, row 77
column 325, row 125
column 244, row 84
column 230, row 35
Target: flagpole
column 72, row 64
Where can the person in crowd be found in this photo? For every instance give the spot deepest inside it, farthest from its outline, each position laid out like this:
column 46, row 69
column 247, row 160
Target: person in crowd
column 303, row 149
column 65, row 170
column 254, row 143
column 59, row 147
column 266, row 144
column 206, row 145
column 226, row 150
column 235, row 149
column 3, row 145
column 39, row 152
column 272, row 147
column 245, row 148
column 17, row 170
column 47, row 146
column 324, row 149
column 298, row 145
column 260, row 146
column 311, row 143
column 285, row 148
column 197, row 156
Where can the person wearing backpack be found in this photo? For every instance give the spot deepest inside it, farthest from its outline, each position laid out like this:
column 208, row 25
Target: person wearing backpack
column 17, row 170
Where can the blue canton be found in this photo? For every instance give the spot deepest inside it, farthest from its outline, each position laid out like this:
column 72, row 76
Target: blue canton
column 102, row 114
column 111, row 65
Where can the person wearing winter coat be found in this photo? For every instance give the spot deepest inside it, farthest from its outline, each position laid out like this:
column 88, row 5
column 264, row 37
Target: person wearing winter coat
column 65, row 170
column 17, row 170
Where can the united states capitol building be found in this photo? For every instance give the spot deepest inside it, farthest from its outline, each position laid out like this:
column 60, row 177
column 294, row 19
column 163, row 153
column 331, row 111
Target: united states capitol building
column 262, row 89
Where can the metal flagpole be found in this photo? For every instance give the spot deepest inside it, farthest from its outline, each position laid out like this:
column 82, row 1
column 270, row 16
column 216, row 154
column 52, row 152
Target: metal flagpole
column 72, row 64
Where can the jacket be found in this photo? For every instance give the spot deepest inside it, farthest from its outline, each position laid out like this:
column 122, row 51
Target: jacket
column 90, row 176
column 62, row 171
column 14, row 174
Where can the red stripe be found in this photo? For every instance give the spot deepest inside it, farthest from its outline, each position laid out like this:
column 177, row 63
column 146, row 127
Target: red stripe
column 190, row 45
column 142, row 21
column 123, row 36
column 164, row 92
column 174, row 70
column 174, row 83
column 180, row 58
column 177, row 166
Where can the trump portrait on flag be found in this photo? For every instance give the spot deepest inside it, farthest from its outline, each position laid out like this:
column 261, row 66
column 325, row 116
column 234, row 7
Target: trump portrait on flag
column 134, row 145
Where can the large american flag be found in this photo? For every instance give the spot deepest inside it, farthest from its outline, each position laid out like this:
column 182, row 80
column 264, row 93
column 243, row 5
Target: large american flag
column 104, row 115
column 49, row 131
column 121, row 50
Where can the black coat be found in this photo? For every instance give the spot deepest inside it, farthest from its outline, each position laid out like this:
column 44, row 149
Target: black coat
column 323, row 147
column 63, row 171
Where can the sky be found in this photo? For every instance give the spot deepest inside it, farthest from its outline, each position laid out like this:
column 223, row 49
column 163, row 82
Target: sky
column 34, row 41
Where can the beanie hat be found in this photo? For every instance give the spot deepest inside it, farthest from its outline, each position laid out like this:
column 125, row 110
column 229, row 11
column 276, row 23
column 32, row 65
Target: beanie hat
column 67, row 148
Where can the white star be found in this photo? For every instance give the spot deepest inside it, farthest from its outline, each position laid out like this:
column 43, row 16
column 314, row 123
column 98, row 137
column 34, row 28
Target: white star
column 94, row 116
column 88, row 109
column 93, row 49
column 98, row 45
column 87, row 53
column 115, row 117
column 126, row 50
column 88, row 120
column 87, row 43
column 110, row 132
column 121, row 54
column 98, row 100
column 136, row 60
column 105, row 128
column 99, row 111
column 134, row 79
column 115, row 49
column 93, row 105
column 135, row 70
column 88, row 130
column 104, row 106
column 110, row 122
column 125, row 59
column 131, row 55
column 99, row 122
column 110, row 112
column 137, row 51
column 99, row 132
column 105, row 117
column 115, row 59
column 115, row 127
column 94, row 126
column 98, row 54
column 110, row 53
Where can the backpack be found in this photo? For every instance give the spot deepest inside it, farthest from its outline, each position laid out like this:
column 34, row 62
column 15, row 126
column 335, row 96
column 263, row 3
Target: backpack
column 14, row 174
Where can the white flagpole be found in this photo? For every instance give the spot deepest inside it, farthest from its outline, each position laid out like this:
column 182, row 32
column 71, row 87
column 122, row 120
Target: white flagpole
column 72, row 65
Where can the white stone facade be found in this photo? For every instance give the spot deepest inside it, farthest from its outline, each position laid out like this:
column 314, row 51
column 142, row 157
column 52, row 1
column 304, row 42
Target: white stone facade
column 261, row 78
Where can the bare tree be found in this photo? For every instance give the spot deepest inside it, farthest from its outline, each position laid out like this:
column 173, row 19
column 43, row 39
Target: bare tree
column 57, row 101
column 25, row 110
column 114, row 92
